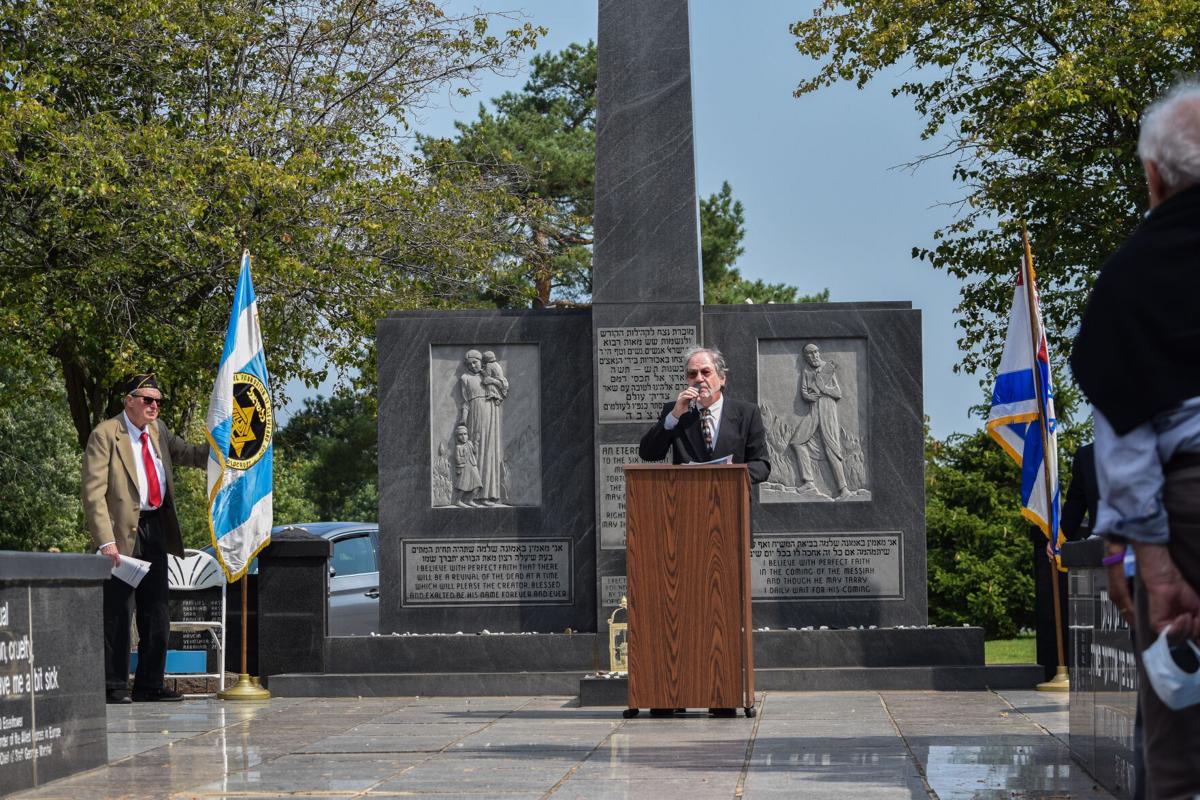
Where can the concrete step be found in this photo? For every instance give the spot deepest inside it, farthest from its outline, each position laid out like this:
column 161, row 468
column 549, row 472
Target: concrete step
column 429, row 684
column 588, row 652
column 614, row 691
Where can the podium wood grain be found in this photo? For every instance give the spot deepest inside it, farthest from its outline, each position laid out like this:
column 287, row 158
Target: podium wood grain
column 687, row 557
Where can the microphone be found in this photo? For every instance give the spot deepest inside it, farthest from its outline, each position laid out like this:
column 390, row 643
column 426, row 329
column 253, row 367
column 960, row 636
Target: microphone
column 694, row 403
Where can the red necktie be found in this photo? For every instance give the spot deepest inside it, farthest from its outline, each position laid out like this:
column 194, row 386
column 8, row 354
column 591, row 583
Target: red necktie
column 154, row 493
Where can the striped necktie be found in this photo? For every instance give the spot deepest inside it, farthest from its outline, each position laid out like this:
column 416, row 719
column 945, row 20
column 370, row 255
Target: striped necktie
column 706, row 427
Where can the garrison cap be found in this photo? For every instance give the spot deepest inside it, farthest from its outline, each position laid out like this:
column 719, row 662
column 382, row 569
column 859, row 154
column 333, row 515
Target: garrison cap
column 142, row 381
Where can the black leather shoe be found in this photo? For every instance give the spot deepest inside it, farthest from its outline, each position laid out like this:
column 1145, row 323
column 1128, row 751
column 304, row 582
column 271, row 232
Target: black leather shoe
column 156, row 696
column 117, row 697
column 722, row 712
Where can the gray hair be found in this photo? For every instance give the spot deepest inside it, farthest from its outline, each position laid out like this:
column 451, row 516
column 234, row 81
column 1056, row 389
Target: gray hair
column 713, row 353
column 1170, row 136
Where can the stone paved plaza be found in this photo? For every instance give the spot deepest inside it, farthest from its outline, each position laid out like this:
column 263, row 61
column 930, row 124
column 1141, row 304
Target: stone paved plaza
column 844, row 744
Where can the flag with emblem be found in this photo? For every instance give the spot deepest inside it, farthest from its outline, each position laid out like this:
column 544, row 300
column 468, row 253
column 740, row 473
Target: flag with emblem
column 240, row 424
column 1022, row 418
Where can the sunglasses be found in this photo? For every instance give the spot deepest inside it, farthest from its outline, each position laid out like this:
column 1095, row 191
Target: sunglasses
column 149, row 401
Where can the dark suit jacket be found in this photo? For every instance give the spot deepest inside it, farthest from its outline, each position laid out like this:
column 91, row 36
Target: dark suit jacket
column 1083, row 495
column 741, row 435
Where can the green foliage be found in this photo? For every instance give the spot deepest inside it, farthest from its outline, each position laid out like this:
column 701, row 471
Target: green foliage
column 1037, row 103
column 144, row 144
column 541, row 142
column 335, row 443
column 722, row 228
column 978, row 545
column 39, row 468
column 1021, row 650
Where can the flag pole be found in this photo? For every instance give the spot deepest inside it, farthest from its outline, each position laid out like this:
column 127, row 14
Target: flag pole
column 247, row 687
column 1061, row 681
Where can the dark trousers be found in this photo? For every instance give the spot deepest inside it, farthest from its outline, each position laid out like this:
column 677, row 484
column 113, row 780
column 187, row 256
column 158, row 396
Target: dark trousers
column 1172, row 738
column 153, row 617
column 1043, row 607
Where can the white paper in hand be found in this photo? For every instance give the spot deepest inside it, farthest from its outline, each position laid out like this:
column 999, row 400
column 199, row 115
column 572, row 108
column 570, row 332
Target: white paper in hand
column 131, row 570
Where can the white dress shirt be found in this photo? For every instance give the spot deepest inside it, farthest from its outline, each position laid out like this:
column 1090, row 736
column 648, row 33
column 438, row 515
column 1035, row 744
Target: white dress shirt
column 671, row 421
column 135, row 441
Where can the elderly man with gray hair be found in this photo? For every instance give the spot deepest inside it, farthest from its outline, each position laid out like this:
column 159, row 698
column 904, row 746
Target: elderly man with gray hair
column 1137, row 358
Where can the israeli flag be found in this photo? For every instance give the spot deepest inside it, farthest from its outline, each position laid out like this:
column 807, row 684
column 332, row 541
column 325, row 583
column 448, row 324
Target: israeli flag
column 1022, row 399
column 240, row 424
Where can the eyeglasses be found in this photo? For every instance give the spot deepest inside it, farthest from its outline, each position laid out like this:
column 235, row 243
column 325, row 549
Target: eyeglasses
column 149, row 401
column 706, row 372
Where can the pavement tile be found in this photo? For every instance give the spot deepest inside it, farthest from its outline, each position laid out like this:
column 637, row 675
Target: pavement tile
column 860, row 745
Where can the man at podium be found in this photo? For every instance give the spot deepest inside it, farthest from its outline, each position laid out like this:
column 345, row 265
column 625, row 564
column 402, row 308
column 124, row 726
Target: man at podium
column 702, row 424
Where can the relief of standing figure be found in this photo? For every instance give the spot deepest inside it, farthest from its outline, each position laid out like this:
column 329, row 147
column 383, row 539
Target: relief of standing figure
column 480, row 413
column 466, row 470
column 819, row 386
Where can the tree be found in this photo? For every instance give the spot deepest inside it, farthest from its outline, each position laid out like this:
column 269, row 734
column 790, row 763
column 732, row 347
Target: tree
column 143, row 144
column 1038, row 105
column 977, row 542
column 39, row 467
column 541, row 142
column 336, row 440
column 722, row 228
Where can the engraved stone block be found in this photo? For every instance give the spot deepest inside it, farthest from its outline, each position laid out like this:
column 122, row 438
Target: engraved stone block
column 612, row 589
column 639, row 369
column 843, row 566
column 612, row 493
column 487, row 572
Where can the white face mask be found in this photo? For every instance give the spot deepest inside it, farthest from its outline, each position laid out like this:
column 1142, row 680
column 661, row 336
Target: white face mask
column 1175, row 687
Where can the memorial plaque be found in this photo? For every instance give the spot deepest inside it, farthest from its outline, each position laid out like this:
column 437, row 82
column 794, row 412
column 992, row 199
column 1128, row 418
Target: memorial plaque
column 487, row 572
column 51, row 697
column 1104, row 676
column 612, row 589
column 845, row 566
column 195, row 605
column 639, row 369
column 612, row 493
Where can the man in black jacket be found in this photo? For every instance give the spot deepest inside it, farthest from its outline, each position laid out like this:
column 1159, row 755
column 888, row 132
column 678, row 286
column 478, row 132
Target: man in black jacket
column 702, row 424
column 1136, row 358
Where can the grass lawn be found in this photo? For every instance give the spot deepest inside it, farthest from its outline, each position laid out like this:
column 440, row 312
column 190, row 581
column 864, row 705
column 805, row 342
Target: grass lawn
column 1021, row 650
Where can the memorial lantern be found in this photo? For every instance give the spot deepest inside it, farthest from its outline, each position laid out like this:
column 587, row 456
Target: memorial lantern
column 618, row 638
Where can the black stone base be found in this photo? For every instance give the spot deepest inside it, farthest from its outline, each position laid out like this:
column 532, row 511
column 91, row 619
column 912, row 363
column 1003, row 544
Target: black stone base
column 868, row 647
column 615, row 691
column 429, row 684
column 484, row 653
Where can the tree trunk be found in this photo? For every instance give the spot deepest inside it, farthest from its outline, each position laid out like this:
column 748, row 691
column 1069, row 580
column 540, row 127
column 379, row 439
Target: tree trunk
column 84, row 397
column 541, row 273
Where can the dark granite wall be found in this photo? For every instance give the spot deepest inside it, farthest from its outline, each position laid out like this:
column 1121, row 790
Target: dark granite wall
column 52, row 715
column 563, row 519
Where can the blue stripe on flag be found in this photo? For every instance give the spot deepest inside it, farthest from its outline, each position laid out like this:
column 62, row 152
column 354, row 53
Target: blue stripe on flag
column 235, row 501
column 1013, row 387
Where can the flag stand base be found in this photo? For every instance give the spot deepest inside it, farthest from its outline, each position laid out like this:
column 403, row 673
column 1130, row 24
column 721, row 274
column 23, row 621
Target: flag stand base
column 246, row 688
column 1059, row 683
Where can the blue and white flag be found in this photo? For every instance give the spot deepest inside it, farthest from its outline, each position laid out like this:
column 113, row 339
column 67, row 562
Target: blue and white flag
column 1022, row 399
column 240, row 425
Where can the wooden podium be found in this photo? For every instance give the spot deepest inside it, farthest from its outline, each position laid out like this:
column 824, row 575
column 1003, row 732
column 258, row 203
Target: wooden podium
column 687, row 532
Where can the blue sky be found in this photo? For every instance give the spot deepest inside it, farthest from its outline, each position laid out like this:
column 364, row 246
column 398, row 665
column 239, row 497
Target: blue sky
column 827, row 202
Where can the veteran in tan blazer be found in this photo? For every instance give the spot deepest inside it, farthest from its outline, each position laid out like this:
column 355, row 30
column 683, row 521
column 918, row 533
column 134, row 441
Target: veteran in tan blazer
column 128, row 493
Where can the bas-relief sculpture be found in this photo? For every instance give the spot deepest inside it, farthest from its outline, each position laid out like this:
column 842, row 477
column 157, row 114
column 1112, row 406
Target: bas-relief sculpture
column 813, row 394
column 484, row 427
